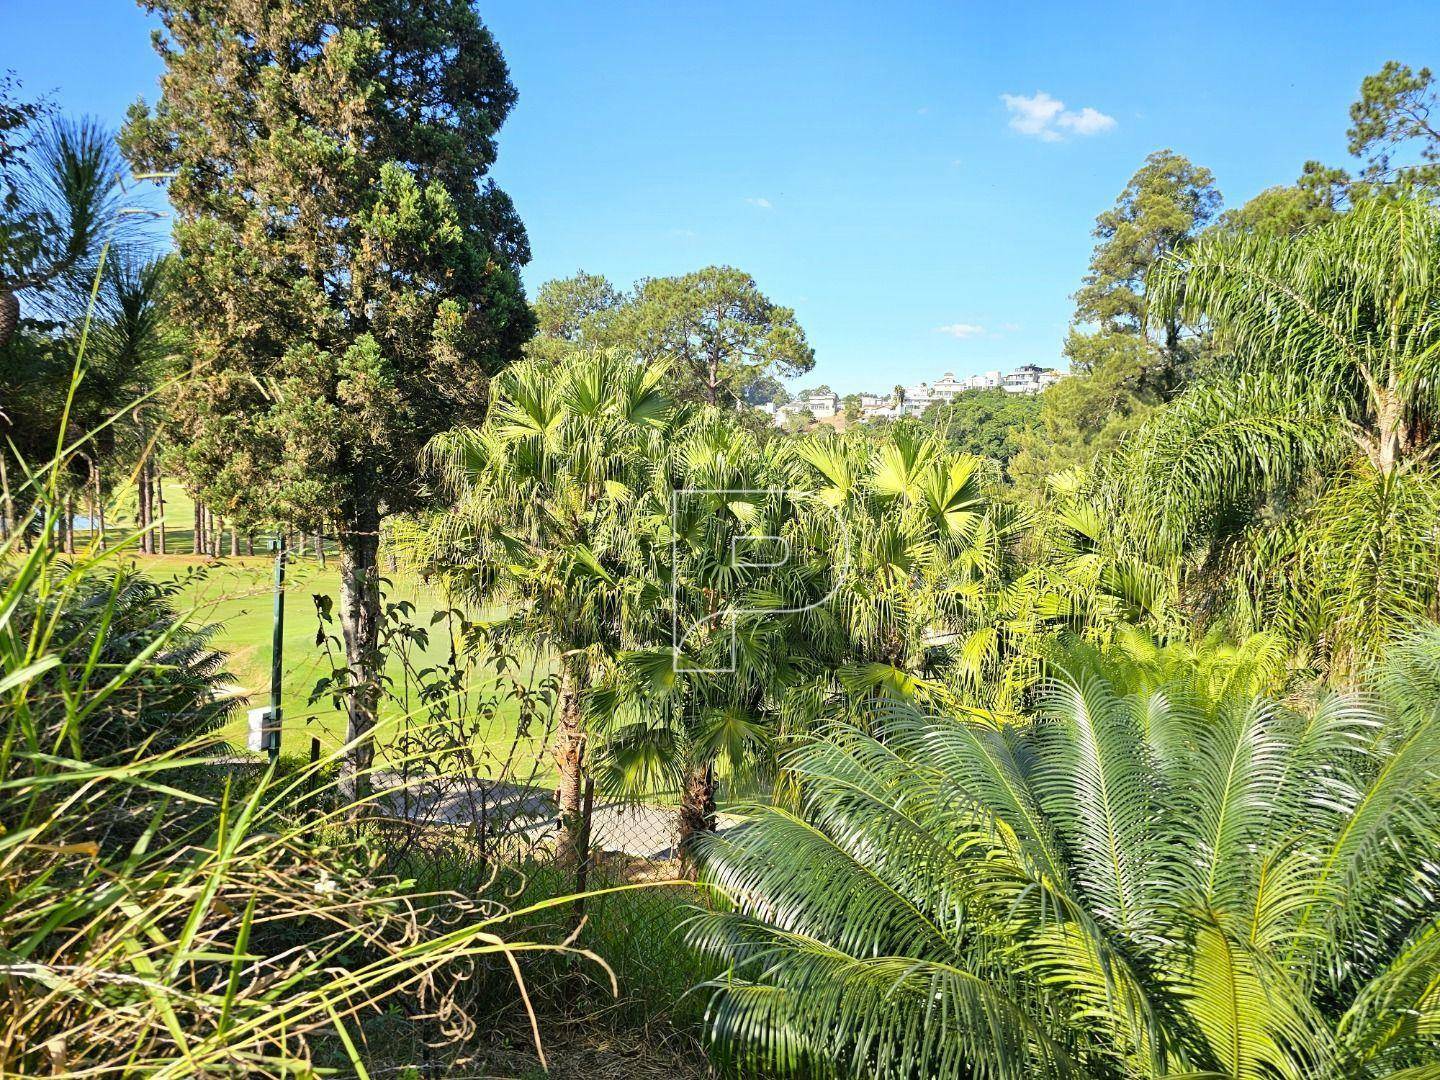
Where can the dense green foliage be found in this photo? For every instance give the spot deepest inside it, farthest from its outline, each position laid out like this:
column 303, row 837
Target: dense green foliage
column 98, row 625
column 1092, row 734
column 158, row 916
column 1304, row 467
column 987, row 423
column 353, row 281
column 719, row 338
column 1162, row 872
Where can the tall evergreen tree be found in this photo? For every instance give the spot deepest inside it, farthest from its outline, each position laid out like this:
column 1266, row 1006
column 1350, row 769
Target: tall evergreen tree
column 348, row 276
column 1393, row 131
column 1166, row 202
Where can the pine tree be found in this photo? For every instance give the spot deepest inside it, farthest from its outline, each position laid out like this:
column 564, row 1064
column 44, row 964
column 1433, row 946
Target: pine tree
column 347, row 275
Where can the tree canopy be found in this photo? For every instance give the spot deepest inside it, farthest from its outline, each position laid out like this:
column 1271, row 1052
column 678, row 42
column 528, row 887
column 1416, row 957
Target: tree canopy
column 717, row 330
column 346, row 275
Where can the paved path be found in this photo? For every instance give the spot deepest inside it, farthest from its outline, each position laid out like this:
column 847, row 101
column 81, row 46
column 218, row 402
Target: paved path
column 642, row 829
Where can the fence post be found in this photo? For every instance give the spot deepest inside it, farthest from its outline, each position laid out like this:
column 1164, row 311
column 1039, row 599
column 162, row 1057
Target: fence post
column 313, row 781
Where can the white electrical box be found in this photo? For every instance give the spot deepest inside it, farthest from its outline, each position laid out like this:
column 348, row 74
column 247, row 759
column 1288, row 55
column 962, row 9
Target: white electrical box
column 264, row 735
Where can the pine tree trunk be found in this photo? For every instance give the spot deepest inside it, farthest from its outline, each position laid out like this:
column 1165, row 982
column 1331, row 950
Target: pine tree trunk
column 249, row 543
column 320, row 548
column 360, row 627
column 67, row 525
column 234, row 542
column 697, row 809
column 569, row 754
column 197, row 536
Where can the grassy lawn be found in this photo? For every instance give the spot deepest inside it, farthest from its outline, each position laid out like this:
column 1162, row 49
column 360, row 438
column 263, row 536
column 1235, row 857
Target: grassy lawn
column 237, row 596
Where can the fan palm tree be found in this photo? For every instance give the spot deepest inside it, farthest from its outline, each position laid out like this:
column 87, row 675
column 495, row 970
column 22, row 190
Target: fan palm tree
column 697, row 690
column 1303, row 481
column 542, row 525
column 904, row 525
column 1165, row 873
column 925, row 596
column 1069, row 579
column 60, row 204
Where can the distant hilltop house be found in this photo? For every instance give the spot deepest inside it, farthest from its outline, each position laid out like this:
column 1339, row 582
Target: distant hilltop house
column 824, row 404
column 1027, row 379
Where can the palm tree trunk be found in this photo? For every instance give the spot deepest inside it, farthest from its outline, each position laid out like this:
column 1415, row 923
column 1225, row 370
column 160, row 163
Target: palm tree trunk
column 360, row 627
column 1392, row 435
column 7, row 501
column 9, row 316
column 569, row 754
column 697, row 809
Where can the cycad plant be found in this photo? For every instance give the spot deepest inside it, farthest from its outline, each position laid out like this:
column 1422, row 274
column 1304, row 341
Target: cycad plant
column 96, row 623
column 1298, row 488
column 1163, row 873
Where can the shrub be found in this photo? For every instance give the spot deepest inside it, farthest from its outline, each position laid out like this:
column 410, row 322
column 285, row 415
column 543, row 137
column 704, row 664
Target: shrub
column 1164, row 872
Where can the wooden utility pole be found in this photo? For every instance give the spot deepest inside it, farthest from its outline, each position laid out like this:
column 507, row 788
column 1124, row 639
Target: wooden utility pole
column 97, row 526
column 142, row 507
column 160, row 502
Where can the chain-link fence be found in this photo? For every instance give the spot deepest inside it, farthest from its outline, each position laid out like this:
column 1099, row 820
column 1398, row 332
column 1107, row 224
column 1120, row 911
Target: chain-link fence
column 517, row 827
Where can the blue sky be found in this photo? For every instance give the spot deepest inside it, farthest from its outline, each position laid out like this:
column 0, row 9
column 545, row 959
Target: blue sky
column 860, row 159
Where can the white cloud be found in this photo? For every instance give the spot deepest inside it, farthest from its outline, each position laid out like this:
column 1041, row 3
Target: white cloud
column 1087, row 121
column 763, row 204
column 1034, row 115
column 1047, row 119
column 961, row 330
